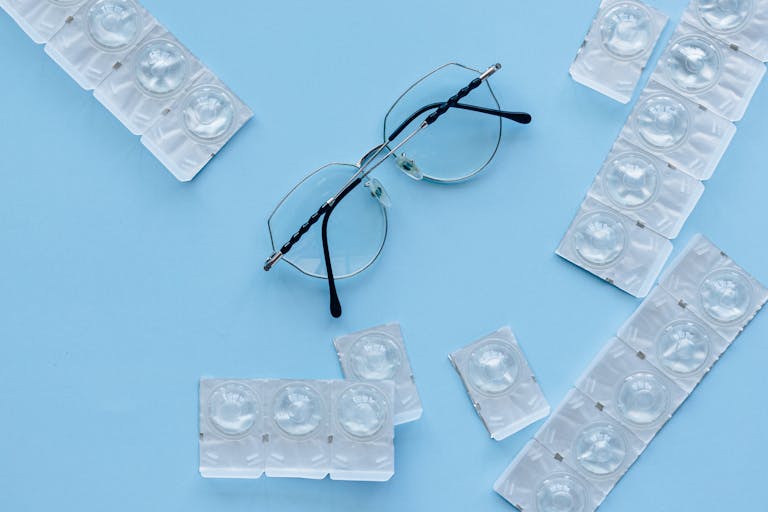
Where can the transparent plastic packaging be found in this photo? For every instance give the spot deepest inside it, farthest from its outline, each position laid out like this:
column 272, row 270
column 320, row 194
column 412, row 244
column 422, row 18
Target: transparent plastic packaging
column 714, row 287
column 631, row 390
column 149, row 80
column 678, row 131
column 709, row 72
column 646, row 189
column 536, row 481
column 673, row 339
column 296, row 428
column 196, row 127
column 617, row 48
column 96, row 39
column 743, row 23
column 378, row 354
column 590, row 441
column 500, row 383
column 615, row 248
column 41, row 19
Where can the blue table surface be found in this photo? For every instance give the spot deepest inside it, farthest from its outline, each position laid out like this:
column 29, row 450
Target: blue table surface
column 120, row 287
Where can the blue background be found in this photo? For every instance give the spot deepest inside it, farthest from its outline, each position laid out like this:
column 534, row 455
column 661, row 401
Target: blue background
column 120, row 287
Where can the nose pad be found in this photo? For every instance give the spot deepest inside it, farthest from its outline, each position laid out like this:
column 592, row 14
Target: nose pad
column 378, row 191
column 409, row 167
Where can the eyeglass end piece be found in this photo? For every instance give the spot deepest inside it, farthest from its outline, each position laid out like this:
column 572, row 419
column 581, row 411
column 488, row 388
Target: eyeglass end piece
column 277, row 256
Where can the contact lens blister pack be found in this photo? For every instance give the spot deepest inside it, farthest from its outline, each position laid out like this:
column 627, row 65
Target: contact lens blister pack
column 646, row 189
column 296, row 428
column 709, row 72
column 96, row 39
column 590, row 441
column 538, row 481
column 631, row 390
column 148, row 81
column 714, row 287
column 617, row 48
column 678, row 131
column 500, row 383
column 377, row 354
column 41, row 19
column 742, row 23
column 196, row 127
column 615, row 248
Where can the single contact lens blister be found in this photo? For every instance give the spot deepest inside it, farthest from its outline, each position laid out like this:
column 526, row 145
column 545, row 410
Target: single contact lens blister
column 631, row 390
column 673, row 339
column 41, row 19
column 617, row 48
column 500, row 384
column 96, row 39
column 379, row 354
column 615, row 248
column 299, row 429
column 646, row 189
column 196, row 127
column 709, row 72
column 678, row 131
column 538, row 481
column 149, row 80
column 590, row 441
column 742, row 23
column 714, row 287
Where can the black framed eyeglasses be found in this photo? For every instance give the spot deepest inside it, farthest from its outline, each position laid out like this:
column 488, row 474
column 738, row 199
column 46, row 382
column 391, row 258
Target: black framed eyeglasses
column 353, row 218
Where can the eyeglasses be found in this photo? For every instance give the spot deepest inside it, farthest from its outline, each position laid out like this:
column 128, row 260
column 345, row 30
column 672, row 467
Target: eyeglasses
column 461, row 145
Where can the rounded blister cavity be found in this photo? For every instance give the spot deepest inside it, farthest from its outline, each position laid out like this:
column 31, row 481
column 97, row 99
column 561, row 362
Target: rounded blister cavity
column 208, row 113
column 599, row 238
column 643, row 399
column 161, row 68
column 662, row 122
column 298, row 410
column 626, row 30
column 725, row 15
column 561, row 493
column 683, row 347
column 375, row 357
column 693, row 64
column 631, row 180
column 493, row 368
column 114, row 24
column 362, row 410
column 233, row 409
column 600, row 449
column 726, row 295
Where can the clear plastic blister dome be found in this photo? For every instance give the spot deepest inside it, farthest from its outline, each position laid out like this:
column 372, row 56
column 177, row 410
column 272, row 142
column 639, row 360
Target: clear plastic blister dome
column 378, row 354
column 678, row 131
column 673, row 339
column 709, row 72
column 646, row 189
column 714, row 287
column 536, row 481
column 590, row 441
column 500, row 383
column 614, row 247
column 97, row 38
column 617, row 48
column 151, row 78
column 196, row 127
column 631, row 390
column 41, row 19
column 743, row 23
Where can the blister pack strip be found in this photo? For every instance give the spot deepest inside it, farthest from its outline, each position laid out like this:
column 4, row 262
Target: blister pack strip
column 743, row 24
column 41, row 19
column 617, row 47
column 636, row 383
column 500, row 383
column 297, row 428
column 377, row 354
